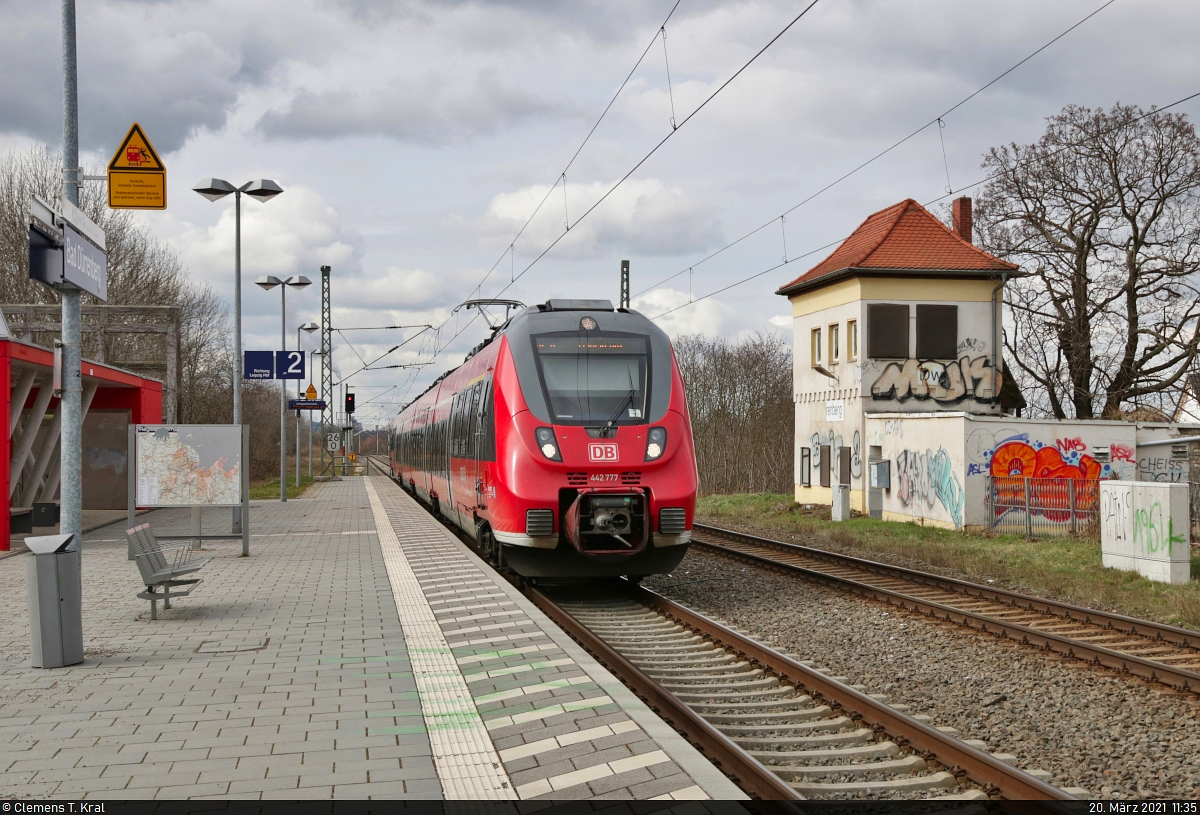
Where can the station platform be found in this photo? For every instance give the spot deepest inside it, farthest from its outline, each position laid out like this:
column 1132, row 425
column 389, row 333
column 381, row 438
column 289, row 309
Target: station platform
column 361, row 651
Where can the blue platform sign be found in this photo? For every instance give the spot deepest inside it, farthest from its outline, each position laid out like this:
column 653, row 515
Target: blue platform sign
column 289, row 365
column 259, row 365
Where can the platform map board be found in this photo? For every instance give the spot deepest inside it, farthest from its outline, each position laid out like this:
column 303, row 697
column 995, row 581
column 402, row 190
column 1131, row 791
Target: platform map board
column 188, row 465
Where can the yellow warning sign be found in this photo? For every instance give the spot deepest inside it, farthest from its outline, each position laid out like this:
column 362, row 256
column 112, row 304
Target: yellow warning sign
column 354, row 457
column 137, row 178
column 311, row 393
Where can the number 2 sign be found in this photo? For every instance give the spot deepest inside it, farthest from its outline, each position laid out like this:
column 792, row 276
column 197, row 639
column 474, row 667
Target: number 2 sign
column 289, row 365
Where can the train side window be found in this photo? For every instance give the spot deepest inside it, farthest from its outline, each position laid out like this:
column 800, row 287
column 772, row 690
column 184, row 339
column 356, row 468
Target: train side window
column 471, row 424
column 487, row 415
column 455, row 423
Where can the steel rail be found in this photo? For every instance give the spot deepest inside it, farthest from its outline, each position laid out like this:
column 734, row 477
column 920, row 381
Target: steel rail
column 962, row 759
column 727, row 756
column 731, row 759
column 1163, row 673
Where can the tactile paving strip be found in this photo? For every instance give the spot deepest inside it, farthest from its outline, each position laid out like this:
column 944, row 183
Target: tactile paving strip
column 562, row 726
column 463, row 754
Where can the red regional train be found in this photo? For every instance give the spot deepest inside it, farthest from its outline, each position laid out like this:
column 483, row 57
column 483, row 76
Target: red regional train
column 562, row 445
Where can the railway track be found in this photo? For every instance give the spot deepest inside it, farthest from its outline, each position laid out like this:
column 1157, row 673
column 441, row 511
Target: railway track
column 783, row 729
column 817, row 736
column 1153, row 651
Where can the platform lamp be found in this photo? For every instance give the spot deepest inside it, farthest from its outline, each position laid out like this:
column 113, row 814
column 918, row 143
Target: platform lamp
column 266, row 283
column 264, row 189
column 309, row 328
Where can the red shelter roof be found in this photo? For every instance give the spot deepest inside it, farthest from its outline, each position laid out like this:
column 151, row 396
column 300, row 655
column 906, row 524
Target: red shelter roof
column 905, row 236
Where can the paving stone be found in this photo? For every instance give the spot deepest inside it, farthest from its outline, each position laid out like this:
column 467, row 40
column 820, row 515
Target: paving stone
column 327, row 707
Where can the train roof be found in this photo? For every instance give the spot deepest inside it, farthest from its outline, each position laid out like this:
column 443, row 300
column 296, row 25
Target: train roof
column 553, row 308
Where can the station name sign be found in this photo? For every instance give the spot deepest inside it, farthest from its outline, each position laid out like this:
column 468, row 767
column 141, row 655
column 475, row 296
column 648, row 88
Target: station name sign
column 67, row 249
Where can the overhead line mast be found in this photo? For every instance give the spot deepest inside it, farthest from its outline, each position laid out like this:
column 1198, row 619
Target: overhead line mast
column 326, row 367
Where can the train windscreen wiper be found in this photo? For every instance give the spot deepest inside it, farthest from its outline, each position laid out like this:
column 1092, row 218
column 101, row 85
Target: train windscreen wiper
column 628, row 400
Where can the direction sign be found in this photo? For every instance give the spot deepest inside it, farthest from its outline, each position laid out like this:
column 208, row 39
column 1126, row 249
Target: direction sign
column 311, row 393
column 258, row 365
column 289, row 364
column 333, row 441
column 137, row 178
column 306, row 404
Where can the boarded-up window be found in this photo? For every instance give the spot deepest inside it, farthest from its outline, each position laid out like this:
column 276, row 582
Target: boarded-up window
column 887, row 330
column 844, row 465
column 824, row 465
column 937, row 332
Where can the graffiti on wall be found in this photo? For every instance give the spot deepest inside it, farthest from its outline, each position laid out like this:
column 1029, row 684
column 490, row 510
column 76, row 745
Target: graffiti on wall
column 1155, row 465
column 946, row 383
column 1121, row 452
column 1009, row 453
column 923, row 478
column 1054, row 470
column 836, row 444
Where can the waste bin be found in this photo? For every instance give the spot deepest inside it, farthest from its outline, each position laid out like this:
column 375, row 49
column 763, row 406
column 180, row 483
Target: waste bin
column 55, row 602
column 841, row 502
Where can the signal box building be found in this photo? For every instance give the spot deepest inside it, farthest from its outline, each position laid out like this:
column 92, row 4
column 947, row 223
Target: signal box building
column 901, row 393
column 901, row 321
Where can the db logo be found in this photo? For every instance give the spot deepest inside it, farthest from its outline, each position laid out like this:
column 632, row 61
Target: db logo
column 602, row 452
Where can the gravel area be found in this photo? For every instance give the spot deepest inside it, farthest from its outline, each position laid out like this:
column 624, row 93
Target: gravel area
column 1115, row 736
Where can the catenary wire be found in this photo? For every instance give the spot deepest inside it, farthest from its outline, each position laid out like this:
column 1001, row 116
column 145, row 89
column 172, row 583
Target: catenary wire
column 643, row 160
column 882, row 153
column 983, row 180
column 562, row 176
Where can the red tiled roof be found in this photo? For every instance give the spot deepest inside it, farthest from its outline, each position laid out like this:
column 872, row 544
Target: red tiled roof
column 904, row 236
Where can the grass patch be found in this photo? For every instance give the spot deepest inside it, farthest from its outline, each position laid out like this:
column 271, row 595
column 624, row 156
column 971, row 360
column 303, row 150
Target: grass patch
column 268, row 490
column 1065, row 568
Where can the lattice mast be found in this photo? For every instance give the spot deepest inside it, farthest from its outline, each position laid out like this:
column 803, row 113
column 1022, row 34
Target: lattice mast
column 326, row 369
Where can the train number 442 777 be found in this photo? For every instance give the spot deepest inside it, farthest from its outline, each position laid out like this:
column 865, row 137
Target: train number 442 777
column 603, row 477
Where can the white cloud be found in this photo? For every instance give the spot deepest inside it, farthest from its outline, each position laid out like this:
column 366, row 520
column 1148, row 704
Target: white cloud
column 294, row 233
column 643, row 216
column 709, row 317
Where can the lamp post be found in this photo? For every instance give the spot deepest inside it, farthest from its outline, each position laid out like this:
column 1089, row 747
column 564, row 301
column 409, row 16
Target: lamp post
column 309, row 327
column 268, row 282
column 264, row 189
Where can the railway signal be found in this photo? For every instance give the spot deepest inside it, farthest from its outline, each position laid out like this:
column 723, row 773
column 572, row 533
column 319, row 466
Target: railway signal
column 349, row 403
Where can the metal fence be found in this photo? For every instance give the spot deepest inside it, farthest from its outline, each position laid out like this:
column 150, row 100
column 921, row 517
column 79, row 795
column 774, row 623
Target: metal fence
column 1045, row 507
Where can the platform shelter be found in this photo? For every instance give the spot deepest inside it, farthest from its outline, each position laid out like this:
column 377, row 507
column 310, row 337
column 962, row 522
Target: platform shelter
column 29, row 413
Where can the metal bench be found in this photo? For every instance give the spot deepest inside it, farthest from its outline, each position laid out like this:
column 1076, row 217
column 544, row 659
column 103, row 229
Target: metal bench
column 162, row 566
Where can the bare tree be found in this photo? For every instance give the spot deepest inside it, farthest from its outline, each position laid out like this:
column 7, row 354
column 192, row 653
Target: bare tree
column 740, row 399
column 1102, row 215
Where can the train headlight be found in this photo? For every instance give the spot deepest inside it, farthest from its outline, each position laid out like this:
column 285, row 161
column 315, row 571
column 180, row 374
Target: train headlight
column 545, row 440
column 656, row 443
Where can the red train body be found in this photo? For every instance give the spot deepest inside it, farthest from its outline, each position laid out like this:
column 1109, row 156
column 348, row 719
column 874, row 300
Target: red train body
column 562, row 445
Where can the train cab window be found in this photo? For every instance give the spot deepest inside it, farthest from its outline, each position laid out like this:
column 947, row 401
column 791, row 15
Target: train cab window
column 593, row 378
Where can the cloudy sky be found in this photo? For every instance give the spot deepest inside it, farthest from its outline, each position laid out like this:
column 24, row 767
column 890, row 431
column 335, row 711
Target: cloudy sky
column 414, row 139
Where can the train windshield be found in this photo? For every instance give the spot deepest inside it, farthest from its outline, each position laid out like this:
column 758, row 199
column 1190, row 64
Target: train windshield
column 593, row 378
